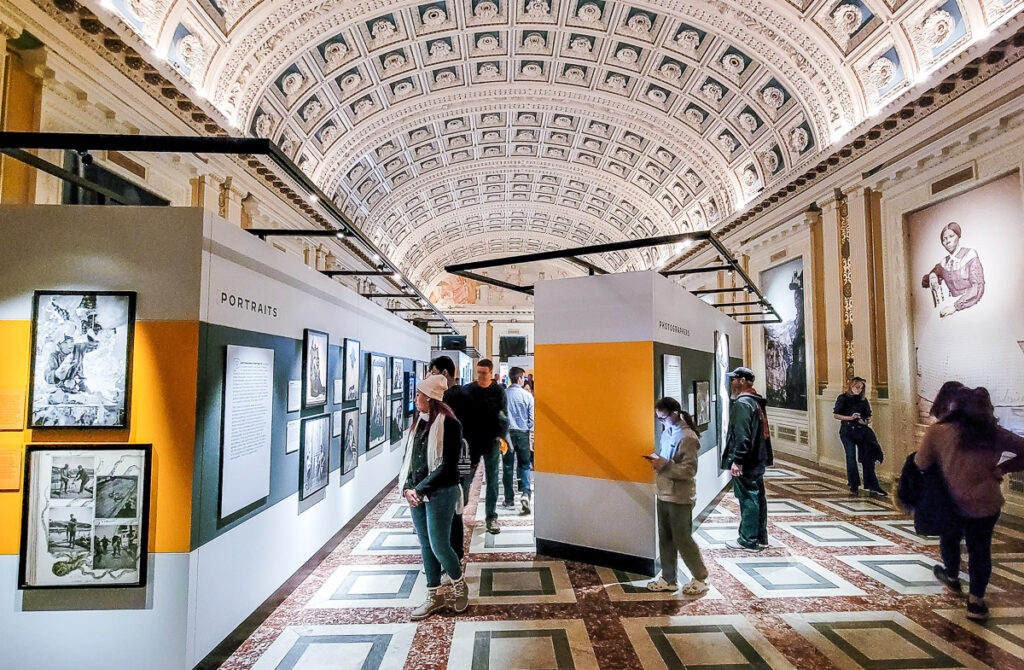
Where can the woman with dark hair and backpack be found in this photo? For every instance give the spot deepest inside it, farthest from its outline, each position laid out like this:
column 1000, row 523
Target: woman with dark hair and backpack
column 675, row 467
column 968, row 444
column 430, row 483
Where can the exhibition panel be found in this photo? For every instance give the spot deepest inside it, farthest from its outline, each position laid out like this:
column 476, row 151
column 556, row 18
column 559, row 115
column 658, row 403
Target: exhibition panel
column 171, row 328
column 647, row 338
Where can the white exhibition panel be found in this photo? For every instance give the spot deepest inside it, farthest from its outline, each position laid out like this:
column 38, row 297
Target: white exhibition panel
column 110, row 249
column 98, row 639
column 602, row 308
column 250, row 285
column 234, row 573
column 596, row 513
column 710, row 480
column 682, row 319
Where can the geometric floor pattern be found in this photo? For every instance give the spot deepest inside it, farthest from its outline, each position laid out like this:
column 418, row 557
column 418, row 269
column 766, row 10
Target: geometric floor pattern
column 845, row 585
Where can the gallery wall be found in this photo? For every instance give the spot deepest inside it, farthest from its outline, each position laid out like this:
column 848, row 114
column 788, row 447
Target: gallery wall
column 206, row 574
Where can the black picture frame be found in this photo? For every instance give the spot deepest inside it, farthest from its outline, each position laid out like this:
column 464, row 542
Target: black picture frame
column 397, row 421
column 377, row 405
column 410, row 393
column 352, row 360
column 397, row 374
column 28, row 515
column 349, row 440
column 324, row 450
column 312, row 389
column 702, row 392
column 81, row 332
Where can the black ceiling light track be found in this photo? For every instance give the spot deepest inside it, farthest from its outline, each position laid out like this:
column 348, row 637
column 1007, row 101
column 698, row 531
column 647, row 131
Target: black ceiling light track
column 17, row 146
column 726, row 263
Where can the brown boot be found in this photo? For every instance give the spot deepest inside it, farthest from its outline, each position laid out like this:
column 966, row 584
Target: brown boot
column 433, row 603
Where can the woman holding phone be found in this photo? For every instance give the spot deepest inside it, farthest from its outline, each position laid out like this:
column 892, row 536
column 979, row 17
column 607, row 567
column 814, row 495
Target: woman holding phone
column 675, row 467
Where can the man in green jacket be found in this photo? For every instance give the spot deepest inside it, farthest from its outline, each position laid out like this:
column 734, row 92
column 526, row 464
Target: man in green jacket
column 748, row 451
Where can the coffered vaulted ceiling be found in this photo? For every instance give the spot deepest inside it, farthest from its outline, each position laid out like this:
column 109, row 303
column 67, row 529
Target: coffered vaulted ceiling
column 462, row 129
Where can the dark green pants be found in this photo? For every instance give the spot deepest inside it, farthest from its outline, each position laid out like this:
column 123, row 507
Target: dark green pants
column 675, row 534
column 750, row 494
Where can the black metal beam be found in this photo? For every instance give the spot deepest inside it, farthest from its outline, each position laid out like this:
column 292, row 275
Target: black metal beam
column 579, row 251
column 292, row 232
column 745, row 303
column 586, row 265
column 59, row 172
column 694, row 271
column 409, row 309
column 388, row 295
column 708, row 291
column 528, row 290
column 734, row 314
column 755, row 323
column 359, row 273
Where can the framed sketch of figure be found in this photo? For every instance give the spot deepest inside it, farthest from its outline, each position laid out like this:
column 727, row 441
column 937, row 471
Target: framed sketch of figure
column 351, row 370
column 314, row 368
column 397, row 375
column 376, row 428
column 85, row 516
column 81, row 359
column 349, row 440
column 397, row 420
column 702, row 402
column 722, row 387
column 314, row 454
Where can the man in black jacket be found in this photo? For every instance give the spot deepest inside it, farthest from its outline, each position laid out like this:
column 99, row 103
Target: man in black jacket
column 485, row 423
column 748, row 451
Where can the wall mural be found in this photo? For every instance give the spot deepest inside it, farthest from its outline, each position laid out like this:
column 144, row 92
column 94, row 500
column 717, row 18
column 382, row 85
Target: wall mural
column 785, row 349
column 966, row 276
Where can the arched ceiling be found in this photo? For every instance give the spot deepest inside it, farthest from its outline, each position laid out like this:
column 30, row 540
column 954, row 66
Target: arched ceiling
column 450, row 130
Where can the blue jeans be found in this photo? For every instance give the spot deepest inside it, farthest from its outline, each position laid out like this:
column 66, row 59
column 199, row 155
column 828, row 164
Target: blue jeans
column 491, row 454
column 519, row 450
column 433, row 522
column 750, row 495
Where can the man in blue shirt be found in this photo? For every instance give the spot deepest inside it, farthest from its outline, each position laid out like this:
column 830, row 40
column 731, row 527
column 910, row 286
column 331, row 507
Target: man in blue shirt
column 520, row 417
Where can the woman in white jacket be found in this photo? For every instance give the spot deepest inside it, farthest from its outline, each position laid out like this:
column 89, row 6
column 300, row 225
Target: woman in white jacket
column 675, row 467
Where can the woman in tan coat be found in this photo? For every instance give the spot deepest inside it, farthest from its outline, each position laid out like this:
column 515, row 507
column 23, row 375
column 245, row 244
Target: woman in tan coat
column 675, row 467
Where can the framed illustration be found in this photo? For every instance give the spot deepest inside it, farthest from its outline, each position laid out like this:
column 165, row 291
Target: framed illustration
column 376, row 416
column 397, row 375
column 314, row 454
column 397, row 420
column 85, row 516
column 80, row 371
column 702, row 402
column 314, row 368
column 349, row 441
column 785, row 346
column 351, row 370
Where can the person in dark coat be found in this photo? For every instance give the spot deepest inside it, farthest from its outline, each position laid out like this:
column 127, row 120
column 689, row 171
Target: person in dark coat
column 853, row 411
column 748, row 451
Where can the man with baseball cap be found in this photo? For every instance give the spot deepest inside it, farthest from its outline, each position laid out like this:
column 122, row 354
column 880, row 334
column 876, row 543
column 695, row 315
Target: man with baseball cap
column 748, row 451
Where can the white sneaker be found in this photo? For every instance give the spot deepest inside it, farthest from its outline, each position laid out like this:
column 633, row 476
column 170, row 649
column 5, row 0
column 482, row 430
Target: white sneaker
column 660, row 584
column 695, row 587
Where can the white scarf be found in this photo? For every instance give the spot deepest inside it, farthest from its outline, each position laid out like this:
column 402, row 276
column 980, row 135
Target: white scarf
column 435, row 452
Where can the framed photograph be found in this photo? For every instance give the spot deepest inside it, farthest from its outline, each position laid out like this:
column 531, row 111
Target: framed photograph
column 314, row 454
column 722, row 387
column 410, row 392
column 314, row 368
column 85, row 516
column 785, row 346
column 351, row 370
column 397, row 420
column 702, row 402
column 397, row 375
column 349, row 441
column 81, row 359
column 376, row 415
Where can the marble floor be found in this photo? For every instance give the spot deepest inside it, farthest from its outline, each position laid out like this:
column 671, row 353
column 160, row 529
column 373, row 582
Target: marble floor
column 846, row 584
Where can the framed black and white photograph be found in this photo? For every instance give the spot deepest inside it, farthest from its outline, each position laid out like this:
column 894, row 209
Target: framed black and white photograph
column 314, row 368
column 722, row 387
column 397, row 375
column 81, row 359
column 397, row 420
column 351, row 370
column 410, row 392
column 785, row 347
column 314, row 454
column 85, row 516
column 376, row 416
column 702, row 402
column 349, row 441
